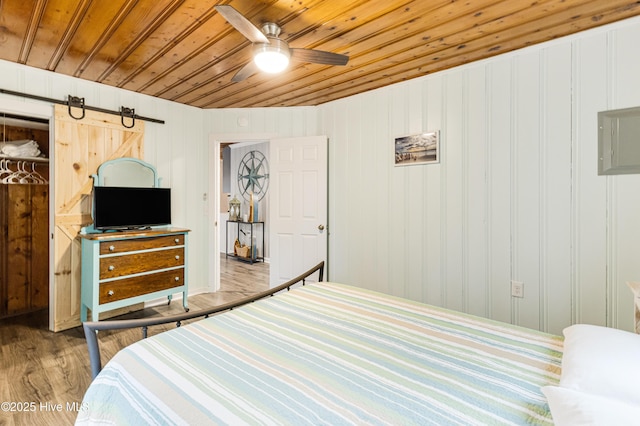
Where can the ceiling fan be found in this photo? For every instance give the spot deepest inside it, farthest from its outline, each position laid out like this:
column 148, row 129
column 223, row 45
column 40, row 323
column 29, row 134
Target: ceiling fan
column 270, row 53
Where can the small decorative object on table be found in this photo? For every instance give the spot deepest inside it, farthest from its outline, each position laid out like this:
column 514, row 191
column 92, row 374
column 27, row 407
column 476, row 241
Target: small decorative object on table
column 241, row 250
column 234, row 209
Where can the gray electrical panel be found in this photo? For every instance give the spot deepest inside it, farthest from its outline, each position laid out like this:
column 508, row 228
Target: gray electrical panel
column 619, row 141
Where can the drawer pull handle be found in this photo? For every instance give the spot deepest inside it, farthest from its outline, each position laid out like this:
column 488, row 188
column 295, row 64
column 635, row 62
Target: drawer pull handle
column 177, row 278
column 111, row 248
column 177, row 257
column 110, row 293
column 111, row 267
column 177, row 240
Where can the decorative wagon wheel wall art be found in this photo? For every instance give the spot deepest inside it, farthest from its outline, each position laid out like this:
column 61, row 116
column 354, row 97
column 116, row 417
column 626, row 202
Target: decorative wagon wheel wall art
column 253, row 175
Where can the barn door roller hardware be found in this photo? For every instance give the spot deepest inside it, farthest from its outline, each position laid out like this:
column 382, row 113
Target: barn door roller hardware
column 128, row 112
column 76, row 102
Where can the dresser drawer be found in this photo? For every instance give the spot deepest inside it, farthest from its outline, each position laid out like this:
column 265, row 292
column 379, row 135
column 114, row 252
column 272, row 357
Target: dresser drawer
column 135, row 286
column 127, row 264
column 127, row 245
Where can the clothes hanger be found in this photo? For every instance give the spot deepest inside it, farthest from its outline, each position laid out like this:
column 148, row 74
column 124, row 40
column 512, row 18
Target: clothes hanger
column 25, row 176
column 15, row 175
column 37, row 176
column 4, row 168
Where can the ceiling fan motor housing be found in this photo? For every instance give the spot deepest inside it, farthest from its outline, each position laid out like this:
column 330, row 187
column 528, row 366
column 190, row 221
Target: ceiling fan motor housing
column 271, row 30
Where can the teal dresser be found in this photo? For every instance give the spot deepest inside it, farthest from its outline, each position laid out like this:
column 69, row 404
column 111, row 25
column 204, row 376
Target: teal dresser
column 120, row 269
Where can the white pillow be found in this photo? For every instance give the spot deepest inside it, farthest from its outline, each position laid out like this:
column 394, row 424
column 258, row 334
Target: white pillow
column 602, row 361
column 569, row 407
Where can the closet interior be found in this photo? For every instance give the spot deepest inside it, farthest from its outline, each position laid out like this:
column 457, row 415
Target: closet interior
column 24, row 214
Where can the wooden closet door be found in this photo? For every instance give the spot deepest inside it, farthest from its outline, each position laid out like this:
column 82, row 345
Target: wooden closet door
column 80, row 147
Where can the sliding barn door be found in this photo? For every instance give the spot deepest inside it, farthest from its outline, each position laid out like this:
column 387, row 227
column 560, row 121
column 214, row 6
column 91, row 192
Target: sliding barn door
column 80, row 147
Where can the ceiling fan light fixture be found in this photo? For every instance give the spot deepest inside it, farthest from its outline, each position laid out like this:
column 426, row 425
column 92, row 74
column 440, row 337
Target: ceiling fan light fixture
column 271, row 58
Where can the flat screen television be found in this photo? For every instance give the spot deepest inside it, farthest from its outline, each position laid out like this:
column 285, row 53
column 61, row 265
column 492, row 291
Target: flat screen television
column 130, row 208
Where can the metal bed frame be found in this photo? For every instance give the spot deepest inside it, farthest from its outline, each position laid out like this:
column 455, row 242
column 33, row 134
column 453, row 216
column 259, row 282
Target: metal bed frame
column 91, row 328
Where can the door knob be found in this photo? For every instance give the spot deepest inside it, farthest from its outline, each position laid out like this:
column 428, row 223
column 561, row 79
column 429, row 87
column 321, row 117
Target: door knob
column 321, row 227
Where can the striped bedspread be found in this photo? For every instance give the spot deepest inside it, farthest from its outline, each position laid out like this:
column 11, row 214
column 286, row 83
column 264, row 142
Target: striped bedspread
column 330, row 354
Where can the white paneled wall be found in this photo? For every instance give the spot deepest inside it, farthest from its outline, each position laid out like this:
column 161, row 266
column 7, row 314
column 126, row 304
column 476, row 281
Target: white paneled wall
column 515, row 197
column 284, row 122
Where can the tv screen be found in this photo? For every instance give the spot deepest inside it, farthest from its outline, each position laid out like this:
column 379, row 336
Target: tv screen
column 130, row 208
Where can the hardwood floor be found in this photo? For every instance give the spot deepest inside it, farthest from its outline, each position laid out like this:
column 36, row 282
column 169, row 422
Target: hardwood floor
column 43, row 375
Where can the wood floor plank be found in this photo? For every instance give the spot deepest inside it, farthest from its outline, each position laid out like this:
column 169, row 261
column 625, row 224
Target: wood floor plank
column 44, row 375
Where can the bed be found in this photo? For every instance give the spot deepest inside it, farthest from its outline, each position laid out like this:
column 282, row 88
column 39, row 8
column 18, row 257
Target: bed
column 329, row 353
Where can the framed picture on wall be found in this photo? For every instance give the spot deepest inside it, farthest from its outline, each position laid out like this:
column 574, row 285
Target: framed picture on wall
column 422, row 148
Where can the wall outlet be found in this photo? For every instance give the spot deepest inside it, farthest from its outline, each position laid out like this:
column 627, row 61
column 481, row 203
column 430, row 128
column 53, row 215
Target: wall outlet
column 517, row 289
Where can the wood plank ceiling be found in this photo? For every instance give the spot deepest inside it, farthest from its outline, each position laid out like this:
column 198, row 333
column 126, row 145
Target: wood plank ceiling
column 184, row 51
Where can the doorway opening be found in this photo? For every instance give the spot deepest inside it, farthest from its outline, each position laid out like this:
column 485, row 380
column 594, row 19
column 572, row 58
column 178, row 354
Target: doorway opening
column 244, row 201
column 228, row 153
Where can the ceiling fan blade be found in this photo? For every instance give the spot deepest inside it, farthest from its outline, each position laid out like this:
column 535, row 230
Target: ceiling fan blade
column 319, row 57
column 245, row 72
column 242, row 24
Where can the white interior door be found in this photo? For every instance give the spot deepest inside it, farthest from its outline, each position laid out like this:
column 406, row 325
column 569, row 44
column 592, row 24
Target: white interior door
column 298, row 206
